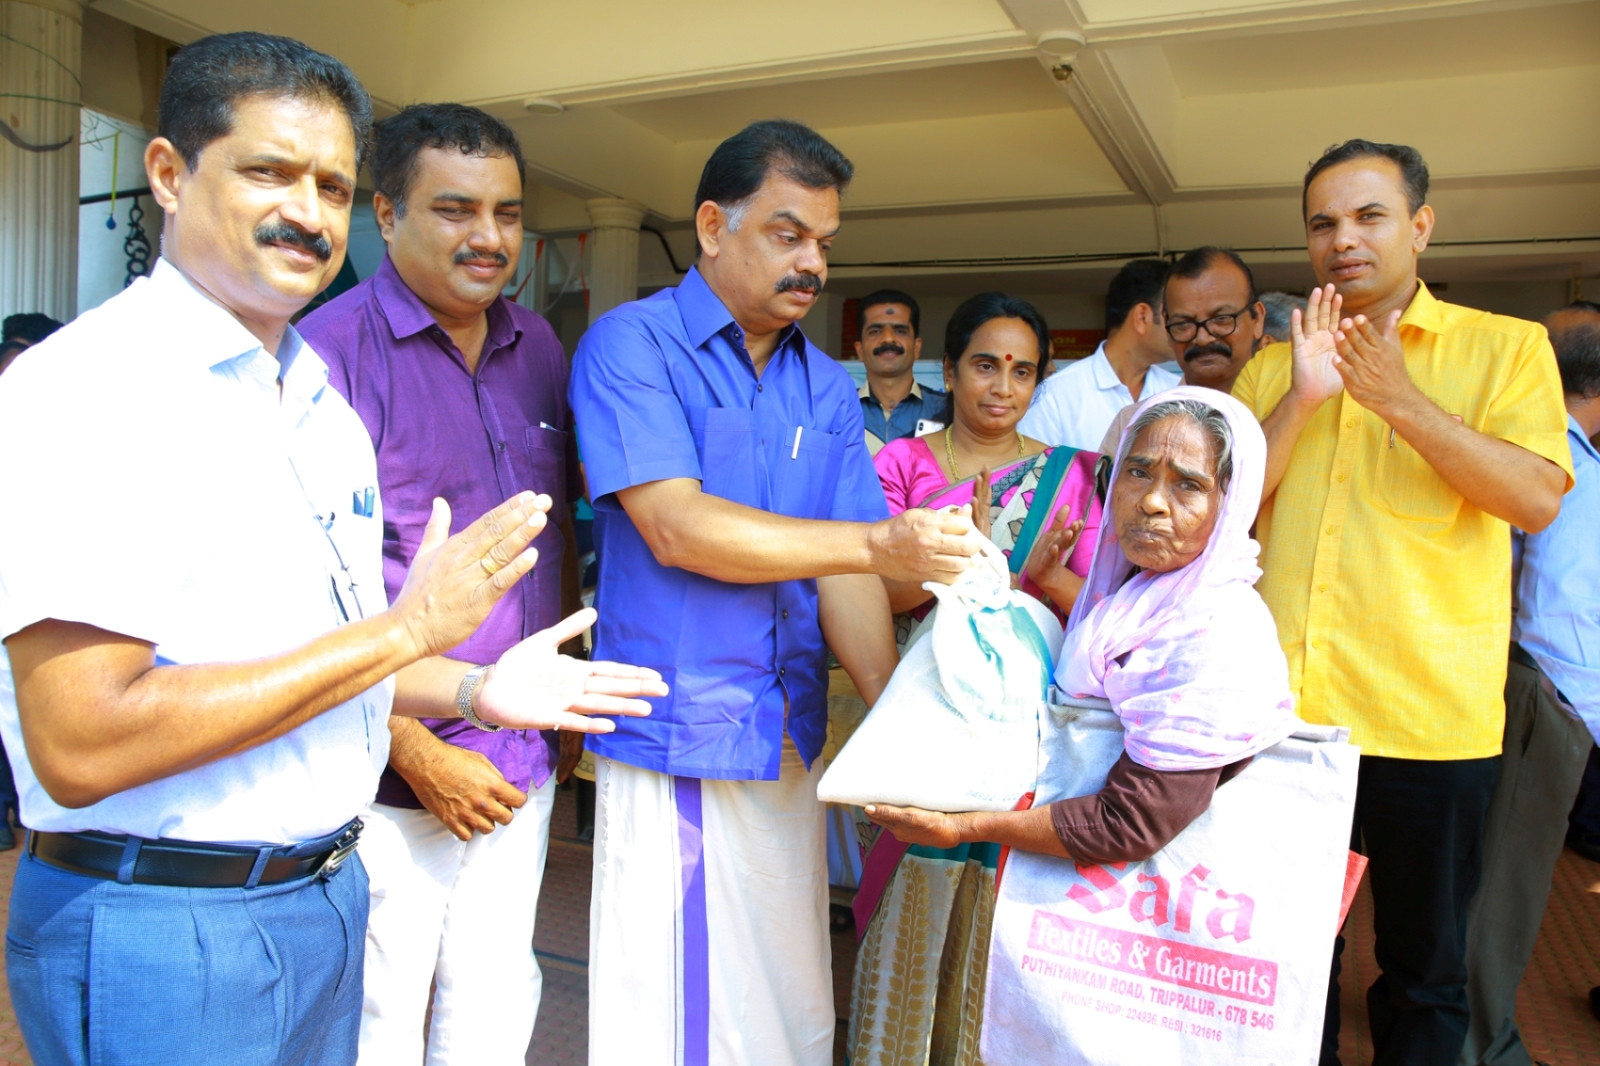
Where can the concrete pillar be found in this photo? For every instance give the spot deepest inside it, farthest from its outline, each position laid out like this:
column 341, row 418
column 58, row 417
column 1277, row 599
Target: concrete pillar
column 613, row 254
column 41, row 45
column 823, row 323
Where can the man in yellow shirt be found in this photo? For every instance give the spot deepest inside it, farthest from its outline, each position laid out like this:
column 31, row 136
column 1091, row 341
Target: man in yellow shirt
column 1404, row 436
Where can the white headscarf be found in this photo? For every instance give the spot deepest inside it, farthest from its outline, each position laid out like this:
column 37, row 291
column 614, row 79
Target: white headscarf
column 1189, row 659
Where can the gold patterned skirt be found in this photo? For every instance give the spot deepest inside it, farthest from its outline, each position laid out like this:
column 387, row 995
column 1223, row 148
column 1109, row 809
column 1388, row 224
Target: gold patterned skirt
column 918, row 996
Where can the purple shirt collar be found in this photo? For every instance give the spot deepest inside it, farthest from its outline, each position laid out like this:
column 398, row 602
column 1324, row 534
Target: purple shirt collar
column 409, row 316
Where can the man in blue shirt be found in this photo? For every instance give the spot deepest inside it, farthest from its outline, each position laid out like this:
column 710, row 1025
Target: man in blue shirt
column 1552, row 711
column 740, row 529
column 893, row 405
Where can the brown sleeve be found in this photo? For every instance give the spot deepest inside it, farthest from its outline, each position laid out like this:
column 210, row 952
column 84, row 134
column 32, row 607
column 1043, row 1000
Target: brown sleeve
column 1137, row 813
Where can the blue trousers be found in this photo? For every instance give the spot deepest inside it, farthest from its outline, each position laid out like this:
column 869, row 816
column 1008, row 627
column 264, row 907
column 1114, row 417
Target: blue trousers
column 107, row 974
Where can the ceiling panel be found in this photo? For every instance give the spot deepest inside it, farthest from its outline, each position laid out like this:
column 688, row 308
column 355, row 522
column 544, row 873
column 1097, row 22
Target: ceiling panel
column 1563, row 35
column 961, row 91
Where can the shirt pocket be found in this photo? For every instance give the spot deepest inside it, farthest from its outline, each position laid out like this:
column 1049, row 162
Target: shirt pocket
column 546, row 451
column 730, row 462
column 808, row 474
column 1408, row 487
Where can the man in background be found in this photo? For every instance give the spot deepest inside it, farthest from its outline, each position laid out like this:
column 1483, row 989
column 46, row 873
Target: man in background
column 893, row 404
column 1214, row 320
column 1280, row 306
column 1552, row 715
column 20, row 332
column 1076, row 405
column 464, row 395
column 1393, row 477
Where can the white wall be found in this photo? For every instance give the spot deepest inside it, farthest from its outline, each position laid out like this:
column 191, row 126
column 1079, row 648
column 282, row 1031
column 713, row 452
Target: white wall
column 102, row 262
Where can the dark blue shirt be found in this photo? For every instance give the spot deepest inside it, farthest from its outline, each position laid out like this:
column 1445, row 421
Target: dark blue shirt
column 664, row 388
column 920, row 403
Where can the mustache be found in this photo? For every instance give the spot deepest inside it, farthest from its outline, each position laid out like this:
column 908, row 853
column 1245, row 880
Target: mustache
column 284, row 233
column 499, row 259
column 799, row 283
column 1214, row 348
column 891, row 346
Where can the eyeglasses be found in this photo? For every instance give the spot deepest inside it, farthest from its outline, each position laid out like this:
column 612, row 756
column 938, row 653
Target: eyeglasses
column 1185, row 330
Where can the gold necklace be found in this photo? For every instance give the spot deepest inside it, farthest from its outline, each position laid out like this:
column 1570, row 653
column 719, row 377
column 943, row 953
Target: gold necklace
column 950, row 451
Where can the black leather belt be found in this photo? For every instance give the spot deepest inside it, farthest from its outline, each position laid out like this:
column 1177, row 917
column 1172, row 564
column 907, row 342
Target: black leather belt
column 181, row 864
column 1520, row 656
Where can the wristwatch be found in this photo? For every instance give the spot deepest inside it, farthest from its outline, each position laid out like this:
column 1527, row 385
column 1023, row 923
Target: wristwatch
column 465, row 694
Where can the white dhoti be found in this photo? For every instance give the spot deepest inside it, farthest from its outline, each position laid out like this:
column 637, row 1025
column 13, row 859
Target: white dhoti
column 459, row 914
column 708, row 935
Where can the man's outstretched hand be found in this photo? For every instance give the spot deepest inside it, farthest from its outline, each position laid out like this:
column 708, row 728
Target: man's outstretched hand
column 454, row 582
column 533, row 686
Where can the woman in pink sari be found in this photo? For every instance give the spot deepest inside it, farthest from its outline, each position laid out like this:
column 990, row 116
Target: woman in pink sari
column 997, row 349
column 923, row 913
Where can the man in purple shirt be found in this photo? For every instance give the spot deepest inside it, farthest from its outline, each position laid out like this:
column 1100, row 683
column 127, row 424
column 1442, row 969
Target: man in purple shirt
column 464, row 394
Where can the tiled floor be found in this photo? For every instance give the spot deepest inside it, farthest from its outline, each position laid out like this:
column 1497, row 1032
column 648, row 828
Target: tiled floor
column 1552, row 1007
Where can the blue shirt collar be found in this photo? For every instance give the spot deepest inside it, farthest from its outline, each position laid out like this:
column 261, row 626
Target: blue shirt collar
column 1583, row 442
column 705, row 315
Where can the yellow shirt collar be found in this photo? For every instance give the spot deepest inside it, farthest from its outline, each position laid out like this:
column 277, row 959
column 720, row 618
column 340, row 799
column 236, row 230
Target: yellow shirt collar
column 1425, row 311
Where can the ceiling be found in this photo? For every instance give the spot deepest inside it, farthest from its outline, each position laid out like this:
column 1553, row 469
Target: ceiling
column 1181, row 122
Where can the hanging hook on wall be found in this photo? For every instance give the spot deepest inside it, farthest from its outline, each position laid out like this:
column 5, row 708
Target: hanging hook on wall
column 136, row 246
column 116, row 151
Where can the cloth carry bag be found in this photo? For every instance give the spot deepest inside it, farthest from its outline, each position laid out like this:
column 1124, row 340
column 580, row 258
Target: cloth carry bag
column 957, row 727
column 1214, row 952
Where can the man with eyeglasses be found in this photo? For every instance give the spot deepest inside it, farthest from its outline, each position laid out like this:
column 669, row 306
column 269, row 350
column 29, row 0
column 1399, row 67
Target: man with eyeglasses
column 1214, row 321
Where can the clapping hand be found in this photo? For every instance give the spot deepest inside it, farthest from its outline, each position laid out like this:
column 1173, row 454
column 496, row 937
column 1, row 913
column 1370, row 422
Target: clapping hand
column 982, row 494
column 1047, row 562
column 1372, row 362
column 534, row 686
column 1313, row 346
column 454, row 582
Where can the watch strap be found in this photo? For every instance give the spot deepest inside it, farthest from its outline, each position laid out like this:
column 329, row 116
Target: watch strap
column 464, row 696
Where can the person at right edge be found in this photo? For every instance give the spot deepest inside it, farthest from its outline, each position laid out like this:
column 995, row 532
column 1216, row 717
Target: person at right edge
column 1552, row 709
column 1405, row 437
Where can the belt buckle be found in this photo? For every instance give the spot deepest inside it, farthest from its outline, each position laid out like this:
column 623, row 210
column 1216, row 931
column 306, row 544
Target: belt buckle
column 343, row 848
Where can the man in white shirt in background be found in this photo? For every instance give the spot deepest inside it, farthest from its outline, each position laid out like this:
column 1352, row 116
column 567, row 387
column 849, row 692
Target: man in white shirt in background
column 1075, row 405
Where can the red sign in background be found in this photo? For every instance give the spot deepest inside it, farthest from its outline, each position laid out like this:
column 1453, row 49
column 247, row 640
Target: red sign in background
column 1065, row 344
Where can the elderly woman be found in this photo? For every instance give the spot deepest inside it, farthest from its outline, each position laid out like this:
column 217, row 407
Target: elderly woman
column 928, row 910
column 1170, row 629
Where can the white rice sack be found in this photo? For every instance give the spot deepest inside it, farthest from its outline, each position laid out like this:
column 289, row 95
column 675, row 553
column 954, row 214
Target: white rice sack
column 957, row 728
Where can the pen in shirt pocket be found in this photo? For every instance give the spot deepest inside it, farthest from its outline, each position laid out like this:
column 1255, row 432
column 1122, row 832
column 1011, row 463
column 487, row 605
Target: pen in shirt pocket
column 362, row 500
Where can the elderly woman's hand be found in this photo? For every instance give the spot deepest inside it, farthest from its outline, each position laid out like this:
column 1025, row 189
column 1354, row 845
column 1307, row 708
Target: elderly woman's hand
column 913, row 825
column 1047, row 562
